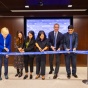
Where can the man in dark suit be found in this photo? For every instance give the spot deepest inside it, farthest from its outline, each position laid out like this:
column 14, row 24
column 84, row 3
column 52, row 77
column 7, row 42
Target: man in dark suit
column 5, row 43
column 55, row 40
column 70, row 44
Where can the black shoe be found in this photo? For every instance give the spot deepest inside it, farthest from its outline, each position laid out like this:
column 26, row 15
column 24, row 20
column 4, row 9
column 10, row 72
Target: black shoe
column 0, row 78
column 25, row 77
column 55, row 76
column 75, row 75
column 20, row 74
column 31, row 76
column 50, row 72
column 68, row 76
column 6, row 77
column 16, row 75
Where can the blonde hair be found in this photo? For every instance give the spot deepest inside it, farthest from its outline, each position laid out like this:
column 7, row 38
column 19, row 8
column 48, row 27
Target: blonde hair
column 4, row 31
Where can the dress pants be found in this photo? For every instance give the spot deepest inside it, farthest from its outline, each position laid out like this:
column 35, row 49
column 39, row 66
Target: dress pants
column 70, row 58
column 28, row 60
column 40, row 64
column 5, row 64
column 57, row 63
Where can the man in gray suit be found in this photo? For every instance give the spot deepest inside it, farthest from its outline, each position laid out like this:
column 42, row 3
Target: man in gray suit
column 70, row 44
column 55, row 40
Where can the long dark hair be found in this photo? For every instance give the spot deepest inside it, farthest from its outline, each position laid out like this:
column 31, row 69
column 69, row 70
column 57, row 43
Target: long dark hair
column 39, row 34
column 18, row 40
column 32, row 32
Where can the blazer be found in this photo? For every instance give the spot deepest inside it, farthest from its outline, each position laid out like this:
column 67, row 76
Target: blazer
column 30, row 48
column 8, row 42
column 67, row 40
column 31, row 45
column 59, row 41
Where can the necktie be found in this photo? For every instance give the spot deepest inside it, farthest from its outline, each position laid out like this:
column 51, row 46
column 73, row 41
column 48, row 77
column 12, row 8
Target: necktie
column 71, row 42
column 55, row 38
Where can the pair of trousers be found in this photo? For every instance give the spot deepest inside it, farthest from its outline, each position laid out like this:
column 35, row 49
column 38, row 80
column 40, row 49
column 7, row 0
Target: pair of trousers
column 57, row 63
column 28, row 60
column 70, row 59
column 40, row 64
column 3, row 57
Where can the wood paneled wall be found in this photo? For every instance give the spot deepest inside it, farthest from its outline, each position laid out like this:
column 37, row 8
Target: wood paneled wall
column 80, row 25
column 13, row 24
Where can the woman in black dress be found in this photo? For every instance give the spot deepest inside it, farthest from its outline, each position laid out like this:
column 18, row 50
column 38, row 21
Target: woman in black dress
column 42, row 44
column 29, row 46
column 18, row 60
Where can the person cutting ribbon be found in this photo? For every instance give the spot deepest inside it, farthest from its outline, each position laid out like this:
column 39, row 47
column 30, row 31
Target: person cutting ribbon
column 5, row 43
column 70, row 44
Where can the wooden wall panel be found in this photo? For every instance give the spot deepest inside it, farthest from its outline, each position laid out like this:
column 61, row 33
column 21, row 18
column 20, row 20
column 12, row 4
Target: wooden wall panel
column 80, row 25
column 13, row 24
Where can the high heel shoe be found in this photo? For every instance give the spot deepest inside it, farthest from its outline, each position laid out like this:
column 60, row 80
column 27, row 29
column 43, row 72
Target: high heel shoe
column 43, row 78
column 20, row 74
column 25, row 77
column 37, row 76
column 31, row 76
column 16, row 75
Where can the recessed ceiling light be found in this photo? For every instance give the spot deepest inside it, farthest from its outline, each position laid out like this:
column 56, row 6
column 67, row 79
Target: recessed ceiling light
column 69, row 5
column 26, row 6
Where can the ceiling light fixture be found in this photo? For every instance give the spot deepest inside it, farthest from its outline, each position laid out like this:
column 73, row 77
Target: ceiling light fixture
column 60, row 10
column 69, row 5
column 26, row 6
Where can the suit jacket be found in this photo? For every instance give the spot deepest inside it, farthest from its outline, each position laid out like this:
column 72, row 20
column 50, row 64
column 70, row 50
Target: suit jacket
column 8, row 42
column 30, row 48
column 31, row 45
column 59, row 40
column 67, row 40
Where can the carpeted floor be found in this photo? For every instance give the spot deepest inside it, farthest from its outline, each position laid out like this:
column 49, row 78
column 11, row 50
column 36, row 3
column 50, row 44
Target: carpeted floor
column 49, row 82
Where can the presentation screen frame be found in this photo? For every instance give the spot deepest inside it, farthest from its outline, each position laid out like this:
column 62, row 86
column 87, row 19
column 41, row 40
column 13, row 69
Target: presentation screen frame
column 35, row 18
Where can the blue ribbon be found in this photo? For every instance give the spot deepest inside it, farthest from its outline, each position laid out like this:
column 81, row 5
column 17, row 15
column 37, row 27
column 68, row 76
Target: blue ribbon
column 45, row 52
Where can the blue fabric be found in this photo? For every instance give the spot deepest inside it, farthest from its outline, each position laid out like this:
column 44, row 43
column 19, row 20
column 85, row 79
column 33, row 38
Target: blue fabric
column 5, row 64
column 66, row 42
column 55, row 38
column 45, row 52
column 70, row 59
column 70, row 41
column 7, row 42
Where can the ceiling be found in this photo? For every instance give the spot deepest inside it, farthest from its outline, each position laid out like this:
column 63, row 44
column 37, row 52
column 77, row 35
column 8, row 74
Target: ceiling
column 50, row 7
